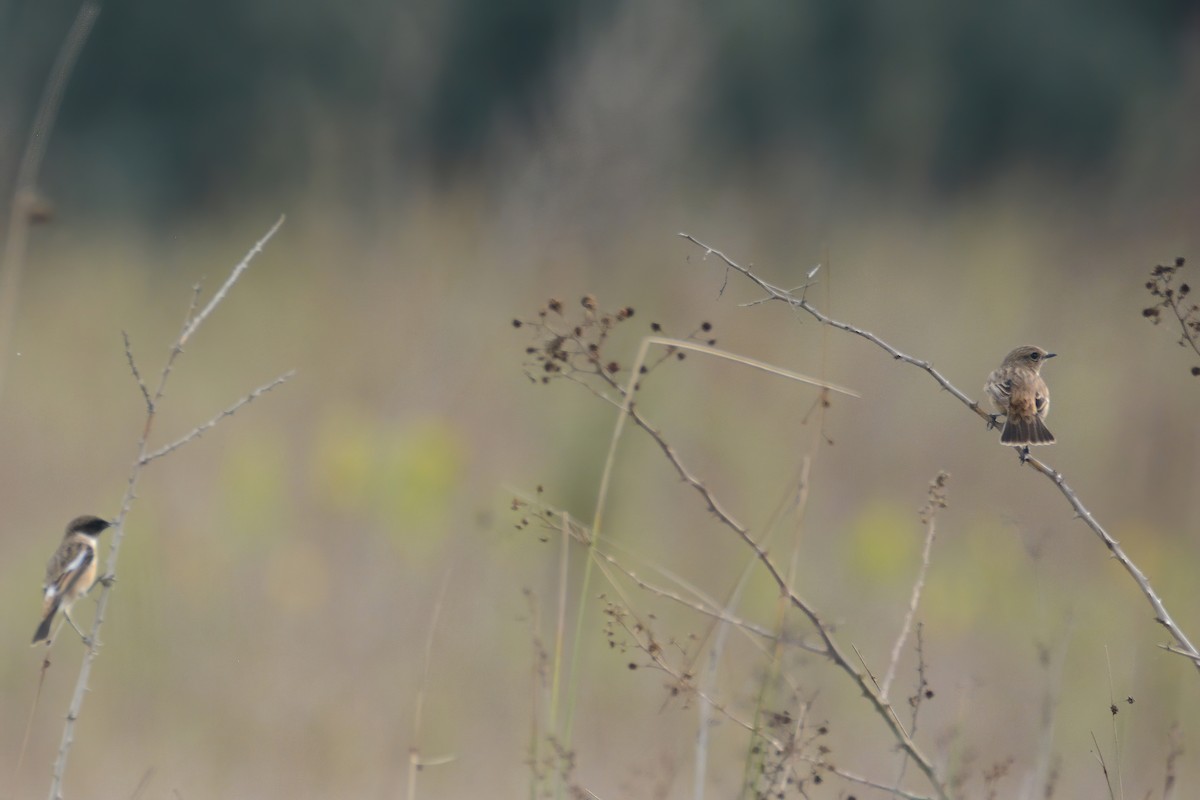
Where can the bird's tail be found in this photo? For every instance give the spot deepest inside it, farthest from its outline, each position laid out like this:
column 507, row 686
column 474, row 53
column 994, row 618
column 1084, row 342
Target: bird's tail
column 43, row 631
column 1030, row 430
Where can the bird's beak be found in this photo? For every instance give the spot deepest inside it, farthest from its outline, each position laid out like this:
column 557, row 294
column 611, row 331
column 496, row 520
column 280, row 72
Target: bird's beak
column 1049, row 355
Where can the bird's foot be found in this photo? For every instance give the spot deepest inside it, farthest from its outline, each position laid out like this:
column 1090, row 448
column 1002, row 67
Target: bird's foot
column 993, row 421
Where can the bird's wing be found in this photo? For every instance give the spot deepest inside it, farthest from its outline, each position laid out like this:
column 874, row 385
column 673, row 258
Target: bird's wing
column 67, row 565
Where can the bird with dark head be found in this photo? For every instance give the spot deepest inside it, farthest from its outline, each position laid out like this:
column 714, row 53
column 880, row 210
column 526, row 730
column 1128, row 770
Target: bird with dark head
column 70, row 572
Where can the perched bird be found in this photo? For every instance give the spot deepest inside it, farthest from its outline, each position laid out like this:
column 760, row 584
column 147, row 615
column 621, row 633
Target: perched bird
column 1019, row 393
column 71, row 571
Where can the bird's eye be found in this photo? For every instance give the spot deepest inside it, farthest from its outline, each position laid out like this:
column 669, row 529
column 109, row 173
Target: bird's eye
column 1034, row 356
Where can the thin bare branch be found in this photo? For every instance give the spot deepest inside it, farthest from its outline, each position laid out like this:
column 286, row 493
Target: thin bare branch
column 172, row 354
column 200, row 430
column 198, row 320
column 137, row 376
column 1170, row 648
column 1103, row 768
column 143, row 458
column 1164, row 618
column 785, row 296
column 854, row 778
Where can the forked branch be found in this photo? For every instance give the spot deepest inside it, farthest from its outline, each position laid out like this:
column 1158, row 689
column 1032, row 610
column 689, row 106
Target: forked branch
column 192, row 322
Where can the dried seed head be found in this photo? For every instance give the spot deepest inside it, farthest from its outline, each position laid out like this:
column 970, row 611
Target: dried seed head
column 589, row 302
column 555, row 305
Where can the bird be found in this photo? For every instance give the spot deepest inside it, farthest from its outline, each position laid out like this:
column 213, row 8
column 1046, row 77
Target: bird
column 70, row 572
column 1017, row 390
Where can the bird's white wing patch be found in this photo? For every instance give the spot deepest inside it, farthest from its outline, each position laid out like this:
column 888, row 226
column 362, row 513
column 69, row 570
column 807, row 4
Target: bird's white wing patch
column 78, row 561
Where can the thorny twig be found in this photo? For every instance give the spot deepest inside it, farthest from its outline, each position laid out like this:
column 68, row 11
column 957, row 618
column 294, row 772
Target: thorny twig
column 1160, row 611
column 191, row 324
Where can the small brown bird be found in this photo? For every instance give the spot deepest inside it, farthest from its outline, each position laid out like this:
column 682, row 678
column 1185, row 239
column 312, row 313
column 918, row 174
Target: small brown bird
column 71, row 571
column 1019, row 393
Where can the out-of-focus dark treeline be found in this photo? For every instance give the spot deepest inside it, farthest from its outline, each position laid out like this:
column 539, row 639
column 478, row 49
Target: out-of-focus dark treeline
column 185, row 101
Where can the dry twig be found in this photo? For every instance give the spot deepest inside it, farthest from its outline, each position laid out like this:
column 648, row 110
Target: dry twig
column 1184, row 645
column 144, row 457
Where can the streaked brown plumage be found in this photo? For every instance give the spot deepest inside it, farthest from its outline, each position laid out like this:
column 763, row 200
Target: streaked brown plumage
column 71, row 571
column 1017, row 390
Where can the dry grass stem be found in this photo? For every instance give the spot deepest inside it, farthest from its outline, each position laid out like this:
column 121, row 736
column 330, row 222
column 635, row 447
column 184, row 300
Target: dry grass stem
column 1103, row 767
column 683, row 344
column 415, row 761
column 937, row 500
column 25, row 198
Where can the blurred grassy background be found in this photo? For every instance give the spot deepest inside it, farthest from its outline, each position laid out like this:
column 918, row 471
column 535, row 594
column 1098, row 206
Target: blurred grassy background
column 971, row 179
